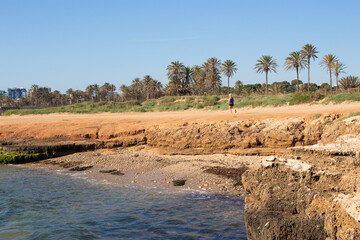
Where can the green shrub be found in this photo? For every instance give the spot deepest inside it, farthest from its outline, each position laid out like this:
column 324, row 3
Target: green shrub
column 211, row 100
column 16, row 158
column 149, row 104
column 190, row 99
column 328, row 122
column 316, row 116
column 132, row 103
column 342, row 97
column 353, row 114
column 167, row 99
column 307, row 97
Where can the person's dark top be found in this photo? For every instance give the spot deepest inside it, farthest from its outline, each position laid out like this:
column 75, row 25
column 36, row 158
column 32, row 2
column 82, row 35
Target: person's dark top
column 231, row 101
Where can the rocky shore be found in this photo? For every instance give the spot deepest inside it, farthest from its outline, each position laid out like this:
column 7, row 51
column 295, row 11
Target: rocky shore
column 299, row 175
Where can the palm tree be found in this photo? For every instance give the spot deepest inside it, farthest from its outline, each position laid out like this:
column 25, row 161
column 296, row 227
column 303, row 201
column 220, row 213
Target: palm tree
column 309, row 51
column 146, row 84
column 338, row 68
column 228, row 68
column 213, row 78
column 350, row 82
column 297, row 62
column 124, row 92
column 35, row 94
column 107, row 90
column 187, row 79
column 327, row 63
column 70, row 93
column 90, row 92
column 266, row 64
column 155, row 88
column 136, row 88
column 175, row 74
column 198, row 77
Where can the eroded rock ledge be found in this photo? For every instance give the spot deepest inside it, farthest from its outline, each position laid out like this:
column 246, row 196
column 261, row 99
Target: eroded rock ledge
column 250, row 137
column 304, row 194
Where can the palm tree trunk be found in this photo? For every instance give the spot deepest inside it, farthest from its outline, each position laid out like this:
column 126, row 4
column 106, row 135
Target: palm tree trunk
column 337, row 83
column 266, row 83
column 331, row 84
column 308, row 86
column 297, row 79
column 228, row 85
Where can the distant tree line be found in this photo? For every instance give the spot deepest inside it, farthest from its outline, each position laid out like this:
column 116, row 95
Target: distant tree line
column 205, row 79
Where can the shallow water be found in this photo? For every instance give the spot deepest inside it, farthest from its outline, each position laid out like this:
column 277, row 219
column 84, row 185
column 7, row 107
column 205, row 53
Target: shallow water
column 44, row 204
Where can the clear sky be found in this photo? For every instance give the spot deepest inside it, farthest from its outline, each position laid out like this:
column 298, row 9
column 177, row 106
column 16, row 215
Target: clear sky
column 74, row 43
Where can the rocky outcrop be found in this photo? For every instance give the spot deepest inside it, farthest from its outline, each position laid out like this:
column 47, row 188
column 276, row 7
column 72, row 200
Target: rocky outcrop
column 232, row 137
column 303, row 196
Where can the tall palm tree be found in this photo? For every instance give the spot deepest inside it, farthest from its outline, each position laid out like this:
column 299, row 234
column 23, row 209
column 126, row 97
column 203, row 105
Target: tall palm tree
column 338, row 68
column 228, row 68
column 198, row 76
column 266, row 64
column 309, row 52
column 35, row 94
column 213, row 78
column 108, row 90
column 297, row 62
column 90, row 92
column 146, row 84
column 136, row 88
column 175, row 74
column 327, row 62
column 70, row 93
column 187, row 79
column 124, row 92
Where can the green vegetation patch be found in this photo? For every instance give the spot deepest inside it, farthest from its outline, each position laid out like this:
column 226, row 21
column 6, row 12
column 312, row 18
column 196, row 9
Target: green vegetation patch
column 17, row 157
column 262, row 101
column 328, row 122
column 342, row 97
column 178, row 103
column 316, row 116
column 353, row 114
column 307, row 97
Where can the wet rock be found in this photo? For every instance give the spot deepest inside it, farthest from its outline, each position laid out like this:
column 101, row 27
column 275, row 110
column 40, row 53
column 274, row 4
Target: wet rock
column 79, row 169
column 180, row 182
column 112, row 172
column 69, row 164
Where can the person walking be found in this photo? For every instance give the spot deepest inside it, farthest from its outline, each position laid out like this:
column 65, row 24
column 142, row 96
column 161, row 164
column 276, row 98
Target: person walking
column 231, row 103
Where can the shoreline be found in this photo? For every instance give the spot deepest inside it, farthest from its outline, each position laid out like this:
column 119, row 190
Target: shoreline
column 215, row 174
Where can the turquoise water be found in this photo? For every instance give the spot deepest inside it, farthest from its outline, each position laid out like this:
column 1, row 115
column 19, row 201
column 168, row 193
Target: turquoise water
column 42, row 204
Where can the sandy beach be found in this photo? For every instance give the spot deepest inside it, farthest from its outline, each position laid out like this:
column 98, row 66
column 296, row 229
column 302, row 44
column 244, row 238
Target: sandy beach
column 212, row 174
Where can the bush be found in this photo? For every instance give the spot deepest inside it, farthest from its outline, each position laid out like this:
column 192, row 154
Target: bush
column 305, row 98
column 167, row 99
column 342, row 97
column 16, row 158
column 316, row 116
column 132, row 103
column 211, row 100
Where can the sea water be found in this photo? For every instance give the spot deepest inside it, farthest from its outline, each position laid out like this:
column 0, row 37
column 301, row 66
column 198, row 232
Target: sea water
column 36, row 203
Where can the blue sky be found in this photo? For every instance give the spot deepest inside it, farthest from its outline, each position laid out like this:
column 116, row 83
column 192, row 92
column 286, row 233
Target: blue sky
column 74, row 43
